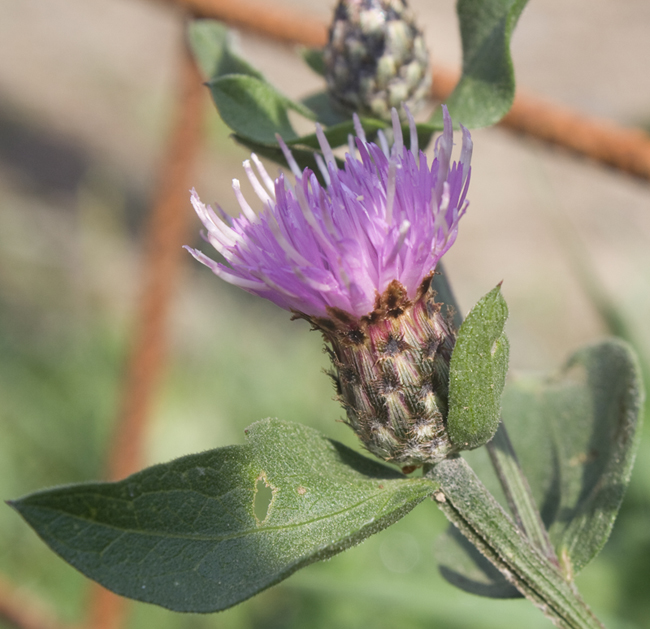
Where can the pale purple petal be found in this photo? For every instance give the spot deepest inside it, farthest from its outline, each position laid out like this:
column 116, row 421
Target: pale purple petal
column 385, row 216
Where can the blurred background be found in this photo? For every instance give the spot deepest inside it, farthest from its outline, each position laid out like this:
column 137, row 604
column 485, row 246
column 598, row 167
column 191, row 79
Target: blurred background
column 87, row 93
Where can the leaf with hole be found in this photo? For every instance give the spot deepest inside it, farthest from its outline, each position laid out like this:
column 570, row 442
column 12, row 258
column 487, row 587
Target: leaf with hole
column 198, row 534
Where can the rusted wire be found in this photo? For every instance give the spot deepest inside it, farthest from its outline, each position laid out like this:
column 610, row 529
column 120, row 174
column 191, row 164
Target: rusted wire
column 625, row 149
column 167, row 230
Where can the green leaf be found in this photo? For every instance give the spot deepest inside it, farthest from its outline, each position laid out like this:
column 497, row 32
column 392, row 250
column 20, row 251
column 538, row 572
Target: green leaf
column 576, row 434
column 254, row 109
column 211, row 46
column 486, row 88
column 247, row 103
column 326, row 113
column 193, row 535
column 313, row 57
column 477, row 373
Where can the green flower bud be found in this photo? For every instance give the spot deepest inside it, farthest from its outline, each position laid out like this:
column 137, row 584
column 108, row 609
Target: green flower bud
column 376, row 58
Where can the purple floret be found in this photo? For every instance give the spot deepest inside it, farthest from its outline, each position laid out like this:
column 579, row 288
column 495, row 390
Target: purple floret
column 386, row 216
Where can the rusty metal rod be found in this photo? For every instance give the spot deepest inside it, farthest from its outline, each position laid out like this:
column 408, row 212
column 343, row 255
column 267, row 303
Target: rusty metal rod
column 168, row 228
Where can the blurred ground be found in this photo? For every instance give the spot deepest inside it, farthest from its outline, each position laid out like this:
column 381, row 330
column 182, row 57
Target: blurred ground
column 86, row 92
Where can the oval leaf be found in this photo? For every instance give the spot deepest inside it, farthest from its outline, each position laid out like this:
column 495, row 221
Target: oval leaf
column 254, row 109
column 193, row 535
column 486, row 88
column 477, row 373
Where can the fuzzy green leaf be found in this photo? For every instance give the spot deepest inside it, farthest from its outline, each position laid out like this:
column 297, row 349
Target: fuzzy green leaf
column 326, row 113
column 466, row 502
column 193, row 535
column 486, row 88
column 477, row 373
column 576, row 434
column 254, row 109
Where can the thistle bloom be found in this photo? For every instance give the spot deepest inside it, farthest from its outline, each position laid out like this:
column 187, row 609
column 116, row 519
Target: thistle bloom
column 386, row 216
column 356, row 258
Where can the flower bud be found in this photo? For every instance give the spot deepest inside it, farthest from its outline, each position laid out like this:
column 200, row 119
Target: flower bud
column 376, row 58
column 391, row 372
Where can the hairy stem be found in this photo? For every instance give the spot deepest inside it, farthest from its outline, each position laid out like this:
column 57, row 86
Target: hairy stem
column 470, row 506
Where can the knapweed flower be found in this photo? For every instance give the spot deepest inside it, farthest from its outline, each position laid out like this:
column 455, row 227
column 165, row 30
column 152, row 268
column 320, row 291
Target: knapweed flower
column 356, row 257
column 376, row 58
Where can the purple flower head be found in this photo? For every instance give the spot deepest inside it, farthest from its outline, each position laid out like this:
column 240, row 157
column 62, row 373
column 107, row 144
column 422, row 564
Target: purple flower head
column 385, row 216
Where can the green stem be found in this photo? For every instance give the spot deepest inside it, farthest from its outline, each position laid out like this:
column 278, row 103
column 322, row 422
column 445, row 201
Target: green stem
column 518, row 493
column 470, row 506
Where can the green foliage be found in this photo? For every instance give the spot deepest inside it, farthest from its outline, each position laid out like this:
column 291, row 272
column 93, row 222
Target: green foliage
column 253, row 108
column 576, row 433
column 477, row 373
column 186, row 535
column 256, row 111
column 486, row 88
column 326, row 113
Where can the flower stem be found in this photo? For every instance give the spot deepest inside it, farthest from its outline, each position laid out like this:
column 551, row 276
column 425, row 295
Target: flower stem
column 479, row 517
column 517, row 490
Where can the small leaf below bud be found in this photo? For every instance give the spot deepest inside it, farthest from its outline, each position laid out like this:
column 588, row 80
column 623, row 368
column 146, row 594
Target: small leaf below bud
column 477, row 373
